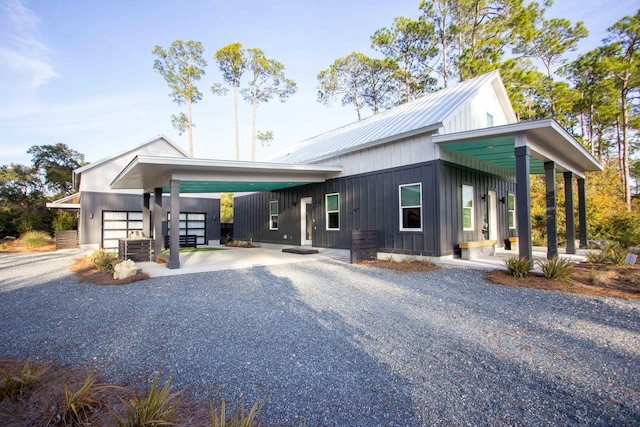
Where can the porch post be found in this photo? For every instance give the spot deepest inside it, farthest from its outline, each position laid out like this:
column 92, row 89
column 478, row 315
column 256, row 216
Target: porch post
column 569, row 213
column 158, row 215
column 552, row 209
column 582, row 212
column 146, row 214
column 174, row 231
column 523, row 201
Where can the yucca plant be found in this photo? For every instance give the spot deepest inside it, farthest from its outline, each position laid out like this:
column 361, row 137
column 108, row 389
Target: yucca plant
column 239, row 417
column 556, row 268
column 158, row 408
column 519, row 267
column 14, row 381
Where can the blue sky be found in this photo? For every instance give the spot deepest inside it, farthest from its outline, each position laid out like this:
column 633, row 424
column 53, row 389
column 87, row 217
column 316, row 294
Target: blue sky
column 81, row 72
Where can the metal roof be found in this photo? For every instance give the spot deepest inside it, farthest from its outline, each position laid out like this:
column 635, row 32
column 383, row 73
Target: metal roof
column 421, row 115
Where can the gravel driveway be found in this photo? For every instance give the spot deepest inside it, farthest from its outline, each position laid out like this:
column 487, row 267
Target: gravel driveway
column 339, row 345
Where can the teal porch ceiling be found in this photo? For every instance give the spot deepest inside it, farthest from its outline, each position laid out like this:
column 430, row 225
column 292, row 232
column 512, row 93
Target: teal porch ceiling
column 499, row 151
column 231, row 187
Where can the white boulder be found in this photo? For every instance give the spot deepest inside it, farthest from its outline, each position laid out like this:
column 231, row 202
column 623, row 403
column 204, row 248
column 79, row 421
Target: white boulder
column 125, row 269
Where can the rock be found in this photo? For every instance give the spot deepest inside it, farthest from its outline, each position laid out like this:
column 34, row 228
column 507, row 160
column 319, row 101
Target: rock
column 125, row 269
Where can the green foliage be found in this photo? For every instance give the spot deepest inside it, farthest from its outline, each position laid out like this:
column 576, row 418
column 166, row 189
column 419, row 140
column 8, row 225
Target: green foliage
column 624, row 228
column 79, row 406
column 103, row 260
column 610, row 254
column 226, row 208
column 64, row 220
column 556, row 268
column 16, row 381
column 35, row 239
column 519, row 267
column 29, row 222
column 158, row 408
column 238, row 419
column 56, row 163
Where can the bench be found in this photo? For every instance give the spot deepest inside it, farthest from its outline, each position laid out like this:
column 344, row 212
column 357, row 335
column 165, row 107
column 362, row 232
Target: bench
column 510, row 243
column 477, row 249
column 188, row 241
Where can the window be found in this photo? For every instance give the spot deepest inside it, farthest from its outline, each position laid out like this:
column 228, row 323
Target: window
column 411, row 207
column 332, row 204
column 118, row 225
column 489, row 120
column 467, row 208
column 273, row 215
column 191, row 224
column 511, row 210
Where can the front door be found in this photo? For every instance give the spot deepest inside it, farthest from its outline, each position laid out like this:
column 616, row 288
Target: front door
column 306, row 221
column 492, row 215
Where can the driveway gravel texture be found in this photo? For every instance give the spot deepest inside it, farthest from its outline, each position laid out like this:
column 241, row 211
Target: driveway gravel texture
column 333, row 344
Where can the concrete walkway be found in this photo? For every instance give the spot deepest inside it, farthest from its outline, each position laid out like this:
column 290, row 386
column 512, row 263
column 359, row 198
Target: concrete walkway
column 229, row 258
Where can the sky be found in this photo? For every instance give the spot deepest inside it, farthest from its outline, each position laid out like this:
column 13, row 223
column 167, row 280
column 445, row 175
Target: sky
column 81, row 72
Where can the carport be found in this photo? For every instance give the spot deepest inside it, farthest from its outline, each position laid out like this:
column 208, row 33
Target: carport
column 535, row 147
column 173, row 176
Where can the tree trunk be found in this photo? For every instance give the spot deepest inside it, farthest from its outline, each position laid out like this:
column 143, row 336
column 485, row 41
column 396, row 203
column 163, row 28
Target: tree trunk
column 254, row 131
column 626, row 175
column 235, row 105
column 190, row 127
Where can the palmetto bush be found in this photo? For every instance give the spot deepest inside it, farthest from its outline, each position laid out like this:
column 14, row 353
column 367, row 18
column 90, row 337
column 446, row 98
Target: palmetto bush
column 519, row 267
column 556, row 268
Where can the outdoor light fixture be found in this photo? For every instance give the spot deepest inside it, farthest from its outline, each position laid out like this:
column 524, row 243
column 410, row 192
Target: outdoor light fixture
column 484, row 197
column 295, row 202
column 503, row 200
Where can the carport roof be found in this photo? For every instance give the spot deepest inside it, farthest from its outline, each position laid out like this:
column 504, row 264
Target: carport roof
column 216, row 176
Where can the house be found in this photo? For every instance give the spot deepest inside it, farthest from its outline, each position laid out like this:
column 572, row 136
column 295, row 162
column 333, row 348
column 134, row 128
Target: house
column 444, row 175
column 434, row 176
column 106, row 215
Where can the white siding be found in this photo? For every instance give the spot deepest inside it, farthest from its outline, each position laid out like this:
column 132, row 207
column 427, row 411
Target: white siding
column 405, row 151
column 98, row 179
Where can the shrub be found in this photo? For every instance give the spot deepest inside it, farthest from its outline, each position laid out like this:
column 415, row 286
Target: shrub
column 624, row 228
column 64, row 221
column 239, row 417
column 14, row 382
column 556, row 268
column 78, row 407
column 519, row 267
column 158, row 408
column 35, row 239
column 103, row 260
column 610, row 254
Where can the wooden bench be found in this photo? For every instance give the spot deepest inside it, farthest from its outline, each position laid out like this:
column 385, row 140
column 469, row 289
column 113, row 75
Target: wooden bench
column 188, row 241
column 476, row 249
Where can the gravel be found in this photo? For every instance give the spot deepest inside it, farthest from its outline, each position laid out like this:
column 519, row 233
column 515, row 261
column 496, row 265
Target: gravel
column 332, row 344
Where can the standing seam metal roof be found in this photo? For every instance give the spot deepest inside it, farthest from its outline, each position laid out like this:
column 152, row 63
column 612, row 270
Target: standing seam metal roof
column 428, row 110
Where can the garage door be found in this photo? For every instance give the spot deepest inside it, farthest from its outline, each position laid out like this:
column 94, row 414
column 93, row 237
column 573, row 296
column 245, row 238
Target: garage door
column 192, row 223
column 118, row 225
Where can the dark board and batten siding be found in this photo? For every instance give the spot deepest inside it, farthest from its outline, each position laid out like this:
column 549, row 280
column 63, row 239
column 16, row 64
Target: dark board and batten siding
column 370, row 201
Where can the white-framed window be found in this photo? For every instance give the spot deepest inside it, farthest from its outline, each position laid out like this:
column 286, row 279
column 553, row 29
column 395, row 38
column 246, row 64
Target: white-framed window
column 468, row 217
column 511, row 210
column 411, row 207
column 489, row 120
column 332, row 206
column 273, row 215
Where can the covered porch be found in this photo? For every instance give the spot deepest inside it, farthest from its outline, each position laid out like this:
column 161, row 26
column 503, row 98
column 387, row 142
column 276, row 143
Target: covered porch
column 174, row 176
column 519, row 150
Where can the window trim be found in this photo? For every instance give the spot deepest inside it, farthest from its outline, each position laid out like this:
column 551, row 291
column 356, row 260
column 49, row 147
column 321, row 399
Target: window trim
column 400, row 207
column 327, row 211
column 273, row 216
column 511, row 212
column 472, row 208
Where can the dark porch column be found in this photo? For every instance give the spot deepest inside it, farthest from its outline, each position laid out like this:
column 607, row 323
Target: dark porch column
column 146, row 214
column 158, row 215
column 552, row 209
column 523, row 201
column 174, row 231
column 582, row 212
column 569, row 213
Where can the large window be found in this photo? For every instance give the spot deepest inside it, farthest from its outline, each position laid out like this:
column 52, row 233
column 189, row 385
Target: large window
column 511, row 210
column 411, row 207
column 467, row 208
column 118, row 225
column 332, row 204
column 273, row 215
